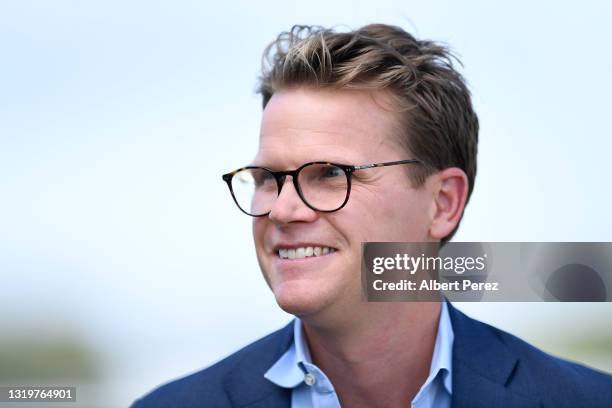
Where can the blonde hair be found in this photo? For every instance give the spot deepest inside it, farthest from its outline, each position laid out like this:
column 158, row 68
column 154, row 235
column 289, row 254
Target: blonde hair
column 439, row 125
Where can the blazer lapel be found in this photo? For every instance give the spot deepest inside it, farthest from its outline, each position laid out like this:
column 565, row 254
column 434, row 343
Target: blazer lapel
column 246, row 385
column 482, row 367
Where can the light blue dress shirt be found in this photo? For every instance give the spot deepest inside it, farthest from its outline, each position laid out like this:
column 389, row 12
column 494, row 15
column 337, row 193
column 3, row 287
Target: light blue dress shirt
column 312, row 389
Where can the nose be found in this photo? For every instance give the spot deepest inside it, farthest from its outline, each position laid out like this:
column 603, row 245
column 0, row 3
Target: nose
column 289, row 207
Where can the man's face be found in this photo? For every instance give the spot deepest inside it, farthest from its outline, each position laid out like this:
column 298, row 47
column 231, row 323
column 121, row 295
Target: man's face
column 349, row 127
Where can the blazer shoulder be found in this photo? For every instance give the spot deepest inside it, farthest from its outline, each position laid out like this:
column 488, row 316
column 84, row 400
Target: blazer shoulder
column 208, row 385
column 489, row 360
column 554, row 378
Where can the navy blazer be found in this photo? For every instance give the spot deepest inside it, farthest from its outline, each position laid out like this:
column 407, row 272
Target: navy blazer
column 491, row 369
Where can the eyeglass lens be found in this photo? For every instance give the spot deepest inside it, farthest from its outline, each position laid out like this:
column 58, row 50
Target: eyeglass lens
column 323, row 187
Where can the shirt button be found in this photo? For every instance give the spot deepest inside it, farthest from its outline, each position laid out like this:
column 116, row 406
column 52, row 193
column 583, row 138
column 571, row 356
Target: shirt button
column 309, row 379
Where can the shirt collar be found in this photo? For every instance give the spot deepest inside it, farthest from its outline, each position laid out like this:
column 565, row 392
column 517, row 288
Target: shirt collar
column 442, row 358
column 286, row 372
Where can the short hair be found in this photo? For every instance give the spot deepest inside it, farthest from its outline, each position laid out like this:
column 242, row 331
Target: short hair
column 438, row 123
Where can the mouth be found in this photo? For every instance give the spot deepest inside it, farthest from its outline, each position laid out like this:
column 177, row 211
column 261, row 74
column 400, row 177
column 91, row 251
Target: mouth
column 303, row 252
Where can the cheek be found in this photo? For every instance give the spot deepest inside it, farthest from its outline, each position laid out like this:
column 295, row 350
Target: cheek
column 259, row 230
column 396, row 215
column 408, row 218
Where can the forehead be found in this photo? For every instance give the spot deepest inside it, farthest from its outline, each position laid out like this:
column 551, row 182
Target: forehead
column 348, row 126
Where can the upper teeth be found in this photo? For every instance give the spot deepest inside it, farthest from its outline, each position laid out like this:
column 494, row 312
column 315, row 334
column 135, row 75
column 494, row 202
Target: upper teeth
column 304, row 252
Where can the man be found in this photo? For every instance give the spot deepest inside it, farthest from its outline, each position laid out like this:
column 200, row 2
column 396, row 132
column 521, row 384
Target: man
column 367, row 135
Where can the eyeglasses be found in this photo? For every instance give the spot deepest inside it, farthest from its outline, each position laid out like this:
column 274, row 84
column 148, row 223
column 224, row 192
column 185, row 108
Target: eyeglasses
column 322, row 186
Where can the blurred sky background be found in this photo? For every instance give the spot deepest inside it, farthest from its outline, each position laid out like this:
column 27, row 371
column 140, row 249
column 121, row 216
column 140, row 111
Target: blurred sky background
column 119, row 244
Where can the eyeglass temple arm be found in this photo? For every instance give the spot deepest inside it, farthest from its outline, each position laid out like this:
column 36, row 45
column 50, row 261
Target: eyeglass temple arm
column 391, row 163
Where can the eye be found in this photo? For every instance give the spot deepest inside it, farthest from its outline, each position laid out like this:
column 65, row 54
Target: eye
column 331, row 171
column 256, row 177
column 262, row 177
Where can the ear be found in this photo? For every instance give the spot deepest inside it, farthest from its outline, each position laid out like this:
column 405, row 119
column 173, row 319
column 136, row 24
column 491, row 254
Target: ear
column 450, row 196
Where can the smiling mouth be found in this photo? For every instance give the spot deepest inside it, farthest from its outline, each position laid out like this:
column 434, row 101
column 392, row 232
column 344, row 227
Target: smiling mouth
column 304, row 252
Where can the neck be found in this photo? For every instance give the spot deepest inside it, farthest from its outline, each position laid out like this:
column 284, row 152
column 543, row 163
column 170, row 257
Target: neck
column 382, row 357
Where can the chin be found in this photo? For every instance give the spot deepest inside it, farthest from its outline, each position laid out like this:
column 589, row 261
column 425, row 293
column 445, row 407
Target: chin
column 297, row 300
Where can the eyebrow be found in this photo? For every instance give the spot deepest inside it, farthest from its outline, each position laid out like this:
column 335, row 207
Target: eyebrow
column 328, row 160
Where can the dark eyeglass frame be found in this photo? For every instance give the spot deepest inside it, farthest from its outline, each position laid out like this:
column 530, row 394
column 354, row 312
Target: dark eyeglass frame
column 280, row 177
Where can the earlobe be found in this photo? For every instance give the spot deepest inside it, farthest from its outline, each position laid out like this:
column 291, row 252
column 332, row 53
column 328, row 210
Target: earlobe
column 450, row 198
